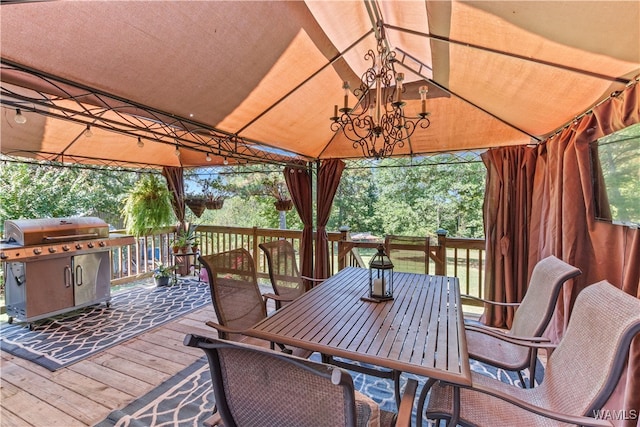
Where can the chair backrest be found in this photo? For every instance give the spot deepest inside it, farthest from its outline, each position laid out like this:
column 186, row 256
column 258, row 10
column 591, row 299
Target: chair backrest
column 586, row 366
column 283, row 269
column 235, row 294
column 535, row 311
column 259, row 387
column 409, row 254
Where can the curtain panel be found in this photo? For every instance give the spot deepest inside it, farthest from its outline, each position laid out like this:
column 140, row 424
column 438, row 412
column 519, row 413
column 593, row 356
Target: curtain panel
column 300, row 187
column 329, row 175
column 563, row 224
column 507, row 215
column 175, row 182
column 555, row 215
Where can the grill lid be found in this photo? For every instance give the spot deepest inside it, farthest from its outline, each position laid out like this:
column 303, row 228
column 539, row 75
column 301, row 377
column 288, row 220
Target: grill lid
column 28, row 232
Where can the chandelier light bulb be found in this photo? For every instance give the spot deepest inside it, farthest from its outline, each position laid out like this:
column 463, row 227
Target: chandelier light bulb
column 87, row 132
column 399, row 88
column 177, row 152
column 140, row 143
column 225, row 161
column 346, row 88
column 423, row 98
column 208, row 158
column 20, row 118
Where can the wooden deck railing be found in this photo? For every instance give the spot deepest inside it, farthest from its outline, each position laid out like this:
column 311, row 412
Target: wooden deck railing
column 463, row 258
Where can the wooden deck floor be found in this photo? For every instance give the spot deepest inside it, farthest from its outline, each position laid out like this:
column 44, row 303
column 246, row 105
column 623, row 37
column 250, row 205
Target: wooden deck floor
column 86, row 392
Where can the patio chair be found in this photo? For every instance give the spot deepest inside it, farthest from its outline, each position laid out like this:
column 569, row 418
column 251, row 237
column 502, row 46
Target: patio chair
column 579, row 378
column 283, row 271
column 236, row 296
column 409, row 254
column 500, row 348
column 258, row 387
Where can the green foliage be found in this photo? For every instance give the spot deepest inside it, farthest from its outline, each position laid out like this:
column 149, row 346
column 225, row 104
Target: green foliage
column 147, row 207
column 30, row 191
column 382, row 200
column 162, row 270
column 408, row 200
column 619, row 157
column 251, row 193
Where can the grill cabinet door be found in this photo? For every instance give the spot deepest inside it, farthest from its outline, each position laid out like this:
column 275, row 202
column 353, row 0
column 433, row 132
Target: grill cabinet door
column 91, row 274
column 49, row 286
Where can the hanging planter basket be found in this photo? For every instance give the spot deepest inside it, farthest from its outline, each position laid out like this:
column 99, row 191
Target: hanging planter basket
column 283, row 205
column 214, row 204
column 197, row 206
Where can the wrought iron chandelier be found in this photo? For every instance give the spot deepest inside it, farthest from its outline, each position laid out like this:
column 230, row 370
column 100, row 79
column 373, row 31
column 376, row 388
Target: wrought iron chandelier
column 381, row 125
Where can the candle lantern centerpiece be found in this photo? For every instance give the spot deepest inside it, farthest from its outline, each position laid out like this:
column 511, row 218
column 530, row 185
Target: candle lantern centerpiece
column 381, row 276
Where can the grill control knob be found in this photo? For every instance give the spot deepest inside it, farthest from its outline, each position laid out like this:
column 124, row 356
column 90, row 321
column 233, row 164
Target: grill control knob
column 37, row 251
column 65, row 248
column 90, row 244
column 78, row 245
column 52, row 250
column 102, row 244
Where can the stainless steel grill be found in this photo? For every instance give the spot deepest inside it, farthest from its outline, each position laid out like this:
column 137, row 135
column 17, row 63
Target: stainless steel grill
column 55, row 265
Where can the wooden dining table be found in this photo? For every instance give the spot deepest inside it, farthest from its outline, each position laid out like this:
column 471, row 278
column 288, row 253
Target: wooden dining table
column 420, row 331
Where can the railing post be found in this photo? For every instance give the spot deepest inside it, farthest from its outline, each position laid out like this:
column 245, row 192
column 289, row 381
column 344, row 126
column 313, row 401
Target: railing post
column 255, row 246
column 441, row 263
column 344, row 236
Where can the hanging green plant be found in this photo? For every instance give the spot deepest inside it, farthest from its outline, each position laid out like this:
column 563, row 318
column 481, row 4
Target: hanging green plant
column 147, row 207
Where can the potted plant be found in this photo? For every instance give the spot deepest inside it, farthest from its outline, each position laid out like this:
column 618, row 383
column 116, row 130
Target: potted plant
column 197, row 204
column 195, row 244
column 147, row 207
column 278, row 190
column 186, row 240
column 180, row 244
column 214, row 192
column 162, row 274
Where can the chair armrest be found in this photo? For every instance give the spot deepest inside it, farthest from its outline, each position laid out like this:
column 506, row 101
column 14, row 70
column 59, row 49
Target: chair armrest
column 222, row 328
column 486, row 301
column 313, row 282
column 227, row 330
column 406, row 404
column 501, row 335
column 311, row 279
column 567, row 418
column 275, row 297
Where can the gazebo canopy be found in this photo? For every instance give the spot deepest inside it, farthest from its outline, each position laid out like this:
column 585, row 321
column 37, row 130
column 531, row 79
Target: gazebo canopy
column 257, row 81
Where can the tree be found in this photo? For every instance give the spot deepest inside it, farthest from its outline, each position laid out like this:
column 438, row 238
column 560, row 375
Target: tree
column 354, row 203
column 412, row 200
column 250, row 200
column 404, row 199
column 30, row 191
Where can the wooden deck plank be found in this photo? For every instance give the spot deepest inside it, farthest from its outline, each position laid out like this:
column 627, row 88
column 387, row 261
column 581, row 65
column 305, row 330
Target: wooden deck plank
column 76, row 405
column 142, row 372
column 9, row 419
column 95, row 390
column 112, row 378
column 153, row 347
column 171, row 340
column 36, row 411
column 87, row 391
column 131, row 354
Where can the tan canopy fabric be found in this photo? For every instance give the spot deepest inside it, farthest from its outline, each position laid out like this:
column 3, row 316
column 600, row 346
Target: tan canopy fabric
column 499, row 73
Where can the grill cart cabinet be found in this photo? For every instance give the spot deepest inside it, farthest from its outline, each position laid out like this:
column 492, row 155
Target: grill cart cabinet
column 51, row 286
